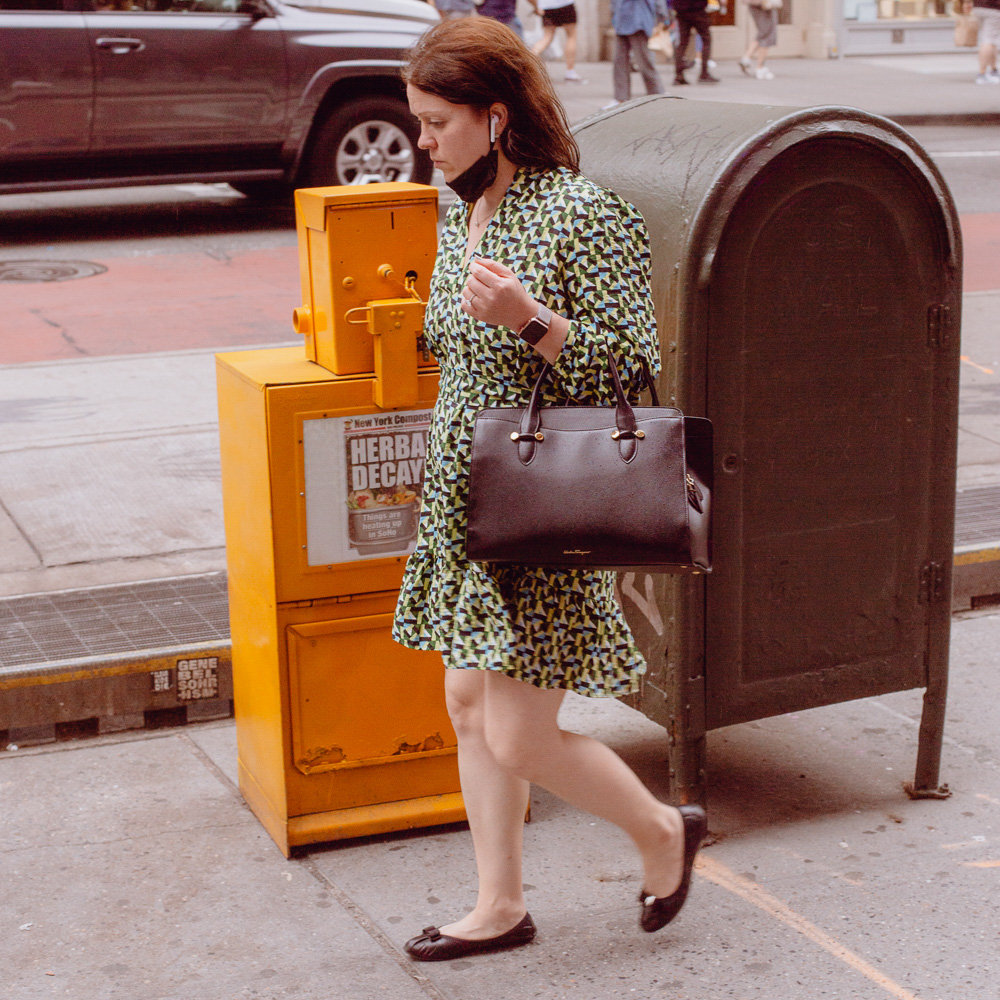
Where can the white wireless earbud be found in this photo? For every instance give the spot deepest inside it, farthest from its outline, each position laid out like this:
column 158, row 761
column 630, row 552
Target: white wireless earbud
column 493, row 128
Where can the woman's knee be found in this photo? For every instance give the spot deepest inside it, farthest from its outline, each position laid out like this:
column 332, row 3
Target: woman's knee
column 463, row 696
column 513, row 748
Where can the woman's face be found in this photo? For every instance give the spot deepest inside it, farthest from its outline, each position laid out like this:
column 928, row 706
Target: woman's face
column 455, row 135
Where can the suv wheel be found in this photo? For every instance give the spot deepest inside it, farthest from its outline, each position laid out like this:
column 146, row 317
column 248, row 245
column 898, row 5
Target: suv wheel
column 366, row 141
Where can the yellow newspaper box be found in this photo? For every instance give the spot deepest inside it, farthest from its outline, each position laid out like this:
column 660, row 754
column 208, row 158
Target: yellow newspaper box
column 341, row 732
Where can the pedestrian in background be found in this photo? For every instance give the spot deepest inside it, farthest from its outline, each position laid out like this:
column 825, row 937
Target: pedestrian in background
column 504, row 11
column 987, row 15
column 535, row 264
column 449, row 9
column 634, row 22
column 558, row 14
column 765, row 20
column 692, row 15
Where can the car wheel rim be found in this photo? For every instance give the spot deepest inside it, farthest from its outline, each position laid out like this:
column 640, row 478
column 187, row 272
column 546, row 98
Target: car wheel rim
column 374, row 152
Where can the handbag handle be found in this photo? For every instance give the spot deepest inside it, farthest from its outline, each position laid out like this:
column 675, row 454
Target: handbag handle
column 625, row 433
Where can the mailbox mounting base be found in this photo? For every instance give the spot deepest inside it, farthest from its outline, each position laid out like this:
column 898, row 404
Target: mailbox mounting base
column 942, row 792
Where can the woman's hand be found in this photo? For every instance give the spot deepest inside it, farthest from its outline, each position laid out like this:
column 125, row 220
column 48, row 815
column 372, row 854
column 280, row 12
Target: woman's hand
column 494, row 295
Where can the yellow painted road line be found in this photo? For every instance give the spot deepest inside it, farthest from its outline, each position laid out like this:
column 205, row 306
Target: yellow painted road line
column 969, row 361
column 721, row 876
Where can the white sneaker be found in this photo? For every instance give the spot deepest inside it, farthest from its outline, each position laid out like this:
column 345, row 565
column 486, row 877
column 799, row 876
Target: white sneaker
column 712, row 64
column 986, row 78
column 994, row 75
column 764, row 74
column 573, row 77
column 746, row 65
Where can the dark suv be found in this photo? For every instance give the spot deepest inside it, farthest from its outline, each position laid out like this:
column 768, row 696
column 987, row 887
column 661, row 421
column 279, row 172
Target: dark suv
column 264, row 94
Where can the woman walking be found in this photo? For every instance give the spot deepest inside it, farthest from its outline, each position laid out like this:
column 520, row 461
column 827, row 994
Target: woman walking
column 559, row 14
column 765, row 20
column 535, row 264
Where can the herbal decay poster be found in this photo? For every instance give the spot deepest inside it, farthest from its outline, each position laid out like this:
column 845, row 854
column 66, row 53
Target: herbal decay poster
column 364, row 476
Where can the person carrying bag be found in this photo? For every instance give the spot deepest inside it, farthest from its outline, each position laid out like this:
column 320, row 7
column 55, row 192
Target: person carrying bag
column 537, row 266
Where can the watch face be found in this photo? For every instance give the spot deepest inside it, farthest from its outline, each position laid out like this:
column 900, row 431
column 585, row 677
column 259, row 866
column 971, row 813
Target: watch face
column 534, row 332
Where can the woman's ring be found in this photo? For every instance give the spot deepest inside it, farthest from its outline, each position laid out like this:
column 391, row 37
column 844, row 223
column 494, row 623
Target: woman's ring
column 472, row 296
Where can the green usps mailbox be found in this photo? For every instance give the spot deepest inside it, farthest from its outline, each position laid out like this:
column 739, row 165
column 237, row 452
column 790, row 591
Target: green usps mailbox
column 807, row 278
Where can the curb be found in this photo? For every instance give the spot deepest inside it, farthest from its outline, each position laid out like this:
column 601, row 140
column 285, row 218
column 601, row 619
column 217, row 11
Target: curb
column 976, row 577
column 147, row 689
column 966, row 119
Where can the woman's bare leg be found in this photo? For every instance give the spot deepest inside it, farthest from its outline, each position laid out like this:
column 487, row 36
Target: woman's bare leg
column 495, row 803
column 570, row 51
column 524, row 737
column 548, row 34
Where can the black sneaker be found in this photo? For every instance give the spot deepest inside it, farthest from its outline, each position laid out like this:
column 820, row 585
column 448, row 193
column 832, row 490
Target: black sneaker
column 708, row 78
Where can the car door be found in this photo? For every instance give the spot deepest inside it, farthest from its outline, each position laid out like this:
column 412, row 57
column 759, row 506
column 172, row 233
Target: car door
column 186, row 76
column 46, row 80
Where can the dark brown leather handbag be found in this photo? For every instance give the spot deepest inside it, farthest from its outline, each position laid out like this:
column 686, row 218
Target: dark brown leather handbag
column 592, row 487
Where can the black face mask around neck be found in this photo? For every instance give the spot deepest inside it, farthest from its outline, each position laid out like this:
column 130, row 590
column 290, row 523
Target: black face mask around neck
column 470, row 184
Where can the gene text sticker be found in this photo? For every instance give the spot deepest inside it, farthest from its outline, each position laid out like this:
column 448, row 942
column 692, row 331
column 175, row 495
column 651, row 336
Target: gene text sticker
column 198, row 678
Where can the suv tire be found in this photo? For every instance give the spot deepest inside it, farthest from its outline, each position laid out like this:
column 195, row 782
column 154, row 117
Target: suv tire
column 371, row 139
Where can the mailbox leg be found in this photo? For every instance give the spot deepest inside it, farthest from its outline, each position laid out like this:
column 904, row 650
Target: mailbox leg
column 925, row 780
column 687, row 770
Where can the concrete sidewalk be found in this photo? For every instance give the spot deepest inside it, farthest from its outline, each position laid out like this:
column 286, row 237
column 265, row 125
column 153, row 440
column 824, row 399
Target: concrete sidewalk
column 910, row 89
column 132, row 870
column 109, row 467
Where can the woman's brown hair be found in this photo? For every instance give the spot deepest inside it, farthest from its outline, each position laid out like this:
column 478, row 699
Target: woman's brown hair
column 478, row 61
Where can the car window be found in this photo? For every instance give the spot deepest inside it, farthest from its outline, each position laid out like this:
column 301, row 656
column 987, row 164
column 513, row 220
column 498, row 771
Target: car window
column 168, row 6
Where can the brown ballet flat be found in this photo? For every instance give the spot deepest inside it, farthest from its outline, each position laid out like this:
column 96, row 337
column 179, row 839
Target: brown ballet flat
column 432, row 946
column 658, row 911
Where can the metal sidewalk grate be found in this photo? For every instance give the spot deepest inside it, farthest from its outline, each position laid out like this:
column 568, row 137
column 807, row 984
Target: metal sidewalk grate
column 108, row 621
column 977, row 516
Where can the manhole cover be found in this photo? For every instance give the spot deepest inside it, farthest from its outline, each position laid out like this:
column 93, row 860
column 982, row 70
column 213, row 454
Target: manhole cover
column 48, row 270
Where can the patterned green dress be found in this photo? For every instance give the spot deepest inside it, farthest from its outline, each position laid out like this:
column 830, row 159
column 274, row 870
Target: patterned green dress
column 584, row 252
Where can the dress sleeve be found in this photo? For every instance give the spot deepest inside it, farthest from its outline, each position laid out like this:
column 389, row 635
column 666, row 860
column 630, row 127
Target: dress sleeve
column 606, row 283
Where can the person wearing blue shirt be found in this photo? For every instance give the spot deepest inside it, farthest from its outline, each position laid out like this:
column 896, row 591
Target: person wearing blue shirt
column 634, row 21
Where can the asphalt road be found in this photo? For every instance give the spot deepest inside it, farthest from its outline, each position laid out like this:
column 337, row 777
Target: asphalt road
column 199, row 265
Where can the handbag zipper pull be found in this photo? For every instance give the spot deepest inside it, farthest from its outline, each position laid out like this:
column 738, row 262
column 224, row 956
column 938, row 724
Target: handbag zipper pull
column 695, row 496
